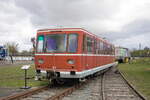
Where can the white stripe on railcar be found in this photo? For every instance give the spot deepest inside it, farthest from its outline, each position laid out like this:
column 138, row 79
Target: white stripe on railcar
column 85, row 73
column 72, row 55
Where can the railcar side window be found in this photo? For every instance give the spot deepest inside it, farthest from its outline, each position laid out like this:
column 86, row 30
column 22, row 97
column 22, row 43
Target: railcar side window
column 73, row 42
column 89, row 45
column 40, row 45
column 105, row 48
column 109, row 49
column 84, row 44
column 101, row 47
column 113, row 48
column 95, row 46
column 56, row 43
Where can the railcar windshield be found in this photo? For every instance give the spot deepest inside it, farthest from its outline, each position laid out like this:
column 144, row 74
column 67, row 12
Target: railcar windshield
column 56, row 43
column 40, row 44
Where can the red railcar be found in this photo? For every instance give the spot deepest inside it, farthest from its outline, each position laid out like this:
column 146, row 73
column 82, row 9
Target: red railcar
column 71, row 53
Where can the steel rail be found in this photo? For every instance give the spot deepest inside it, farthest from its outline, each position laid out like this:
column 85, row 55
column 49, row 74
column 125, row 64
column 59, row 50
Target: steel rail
column 34, row 91
column 66, row 92
column 131, row 86
column 102, row 87
column 125, row 80
column 71, row 89
column 24, row 94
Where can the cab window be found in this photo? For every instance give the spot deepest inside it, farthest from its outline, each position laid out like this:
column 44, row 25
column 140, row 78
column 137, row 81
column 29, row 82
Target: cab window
column 40, row 43
column 72, row 43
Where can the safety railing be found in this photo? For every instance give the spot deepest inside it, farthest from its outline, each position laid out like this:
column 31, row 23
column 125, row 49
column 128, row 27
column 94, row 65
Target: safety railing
column 17, row 59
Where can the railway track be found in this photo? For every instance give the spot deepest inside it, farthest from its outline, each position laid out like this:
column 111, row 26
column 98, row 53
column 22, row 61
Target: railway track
column 45, row 93
column 114, row 87
column 90, row 91
column 108, row 86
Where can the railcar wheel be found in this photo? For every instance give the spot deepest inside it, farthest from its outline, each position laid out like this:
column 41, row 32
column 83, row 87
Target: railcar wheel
column 60, row 81
column 51, row 81
column 82, row 80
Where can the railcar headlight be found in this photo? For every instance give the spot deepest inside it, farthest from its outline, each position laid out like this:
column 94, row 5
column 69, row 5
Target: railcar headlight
column 71, row 61
column 40, row 61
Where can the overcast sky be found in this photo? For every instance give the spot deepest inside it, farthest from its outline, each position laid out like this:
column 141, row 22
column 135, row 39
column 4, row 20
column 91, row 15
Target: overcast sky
column 123, row 22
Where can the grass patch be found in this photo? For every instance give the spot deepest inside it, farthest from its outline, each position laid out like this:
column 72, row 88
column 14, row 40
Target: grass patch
column 13, row 76
column 138, row 74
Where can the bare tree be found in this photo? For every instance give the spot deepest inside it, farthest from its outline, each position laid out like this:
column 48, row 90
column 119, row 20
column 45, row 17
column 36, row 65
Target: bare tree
column 12, row 48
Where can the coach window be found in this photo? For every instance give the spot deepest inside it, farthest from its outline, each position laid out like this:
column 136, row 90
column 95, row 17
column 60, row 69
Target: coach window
column 89, row 45
column 104, row 48
column 101, row 47
column 109, row 50
column 56, row 43
column 84, row 44
column 73, row 43
column 113, row 50
column 95, row 46
column 40, row 43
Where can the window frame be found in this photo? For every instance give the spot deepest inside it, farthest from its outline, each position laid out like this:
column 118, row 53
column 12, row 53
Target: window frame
column 101, row 47
column 38, row 42
column 68, row 42
column 59, row 51
column 91, row 46
column 66, row 47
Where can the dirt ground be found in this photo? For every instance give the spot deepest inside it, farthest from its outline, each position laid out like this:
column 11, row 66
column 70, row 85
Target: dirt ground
column 9, row 91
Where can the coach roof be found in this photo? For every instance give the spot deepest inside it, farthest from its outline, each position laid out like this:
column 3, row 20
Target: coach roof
column 61, row 29
column 70, row 29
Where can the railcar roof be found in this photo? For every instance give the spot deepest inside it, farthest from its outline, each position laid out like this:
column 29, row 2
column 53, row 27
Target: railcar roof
column 62, row 29
column 72, row 29
column 66, row 29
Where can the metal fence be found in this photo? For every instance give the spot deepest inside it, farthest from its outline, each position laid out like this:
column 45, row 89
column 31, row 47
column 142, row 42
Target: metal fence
column 17, row 59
